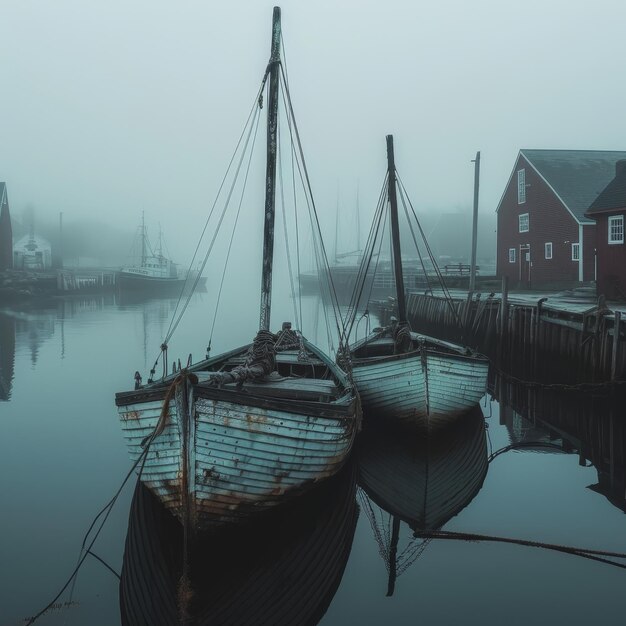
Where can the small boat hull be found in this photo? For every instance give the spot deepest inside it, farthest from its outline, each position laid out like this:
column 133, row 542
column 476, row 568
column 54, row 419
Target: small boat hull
column 425, row 388
column 224, row 455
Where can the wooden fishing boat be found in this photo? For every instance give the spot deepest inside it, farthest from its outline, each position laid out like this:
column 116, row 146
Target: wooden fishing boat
column 236, row 434
column 422, row 482
column 285, row 569
column 408, row 376
column 154, row 273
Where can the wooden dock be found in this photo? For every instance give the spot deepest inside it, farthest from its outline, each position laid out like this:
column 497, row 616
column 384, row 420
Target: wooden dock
column 86, row 280
column 543, row 337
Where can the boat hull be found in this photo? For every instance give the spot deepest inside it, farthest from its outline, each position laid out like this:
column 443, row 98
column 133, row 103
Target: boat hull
column 134, row 282
column 426, row 388
column 223, row 457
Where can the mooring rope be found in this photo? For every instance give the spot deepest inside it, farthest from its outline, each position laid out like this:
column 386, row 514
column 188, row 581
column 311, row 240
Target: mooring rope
column 87, row 551
column 108, row 507
column 603, row 556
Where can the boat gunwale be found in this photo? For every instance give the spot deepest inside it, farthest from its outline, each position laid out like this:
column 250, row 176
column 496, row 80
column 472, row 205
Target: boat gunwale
column 363, row 361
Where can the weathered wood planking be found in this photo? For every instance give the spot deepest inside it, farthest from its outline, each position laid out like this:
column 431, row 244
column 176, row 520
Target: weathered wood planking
column 550, row 341
column 425, row 387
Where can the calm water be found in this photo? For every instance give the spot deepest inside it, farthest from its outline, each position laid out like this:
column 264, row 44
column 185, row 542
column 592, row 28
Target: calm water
column 344, row 555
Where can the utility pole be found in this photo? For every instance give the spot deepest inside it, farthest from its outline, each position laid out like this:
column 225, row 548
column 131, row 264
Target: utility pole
column 472, row 280
column 61, row 240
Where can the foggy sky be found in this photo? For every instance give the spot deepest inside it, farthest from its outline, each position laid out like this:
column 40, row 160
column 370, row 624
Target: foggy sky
column 108, row 109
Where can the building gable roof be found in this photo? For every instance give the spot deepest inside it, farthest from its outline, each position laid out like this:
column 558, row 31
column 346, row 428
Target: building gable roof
column 614, row 194
column 576, row 176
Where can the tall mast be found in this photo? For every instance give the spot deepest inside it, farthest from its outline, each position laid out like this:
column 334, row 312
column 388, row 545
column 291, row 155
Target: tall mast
column 143, row 239
column 270, row 174
column 395, row 230
column 336, row 222
column 472, row 280
column 358, row 219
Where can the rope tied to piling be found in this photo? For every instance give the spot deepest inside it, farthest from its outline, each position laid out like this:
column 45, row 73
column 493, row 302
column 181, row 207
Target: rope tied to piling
column 162, row 422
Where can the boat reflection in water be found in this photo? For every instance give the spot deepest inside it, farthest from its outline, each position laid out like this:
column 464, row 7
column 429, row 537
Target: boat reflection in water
column 421, row 481
column 284, row 569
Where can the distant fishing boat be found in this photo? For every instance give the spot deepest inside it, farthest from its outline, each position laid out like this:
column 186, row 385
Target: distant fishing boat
column 285, row 569
column 405, row 375
column 232, row 435
column 154, row 272
column 423, row 482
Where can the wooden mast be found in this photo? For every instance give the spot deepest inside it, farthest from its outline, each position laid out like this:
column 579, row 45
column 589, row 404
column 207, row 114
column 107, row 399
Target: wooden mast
column 270, row 174
column 144, row 253
column 395, row 231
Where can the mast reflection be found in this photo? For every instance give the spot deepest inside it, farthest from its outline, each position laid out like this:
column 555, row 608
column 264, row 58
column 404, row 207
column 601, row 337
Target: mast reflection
column 421, row 481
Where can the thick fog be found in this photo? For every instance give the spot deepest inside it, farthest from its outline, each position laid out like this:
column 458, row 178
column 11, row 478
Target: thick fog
column 111, row 109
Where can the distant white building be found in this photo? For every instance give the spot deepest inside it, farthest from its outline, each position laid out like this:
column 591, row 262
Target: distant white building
column 32, row 253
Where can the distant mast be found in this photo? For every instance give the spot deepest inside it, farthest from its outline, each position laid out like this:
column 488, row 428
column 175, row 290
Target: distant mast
column 270, row 174
column 143, row 239
column 6, row 232
column 395, row 230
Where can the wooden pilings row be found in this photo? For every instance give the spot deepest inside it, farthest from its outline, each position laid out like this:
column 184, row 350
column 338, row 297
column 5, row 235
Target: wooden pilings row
column 531, row 341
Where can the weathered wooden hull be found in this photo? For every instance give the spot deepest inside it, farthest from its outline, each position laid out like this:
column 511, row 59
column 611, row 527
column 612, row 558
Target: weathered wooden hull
column 425, row 388
column 284, row 569
column 224, row 455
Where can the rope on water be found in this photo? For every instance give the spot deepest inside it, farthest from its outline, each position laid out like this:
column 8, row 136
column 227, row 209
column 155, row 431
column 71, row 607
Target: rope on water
column 86, row 550
column 602, row 556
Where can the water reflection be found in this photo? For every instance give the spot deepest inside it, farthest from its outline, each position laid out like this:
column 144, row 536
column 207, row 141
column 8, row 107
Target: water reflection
column 284, row 569
column 7, row 355
column 590, row 423
column 27, row 329
column 421, row 481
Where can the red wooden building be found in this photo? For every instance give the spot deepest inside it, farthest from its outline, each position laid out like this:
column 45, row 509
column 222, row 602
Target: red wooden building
column 545, row 239
column 609, row 209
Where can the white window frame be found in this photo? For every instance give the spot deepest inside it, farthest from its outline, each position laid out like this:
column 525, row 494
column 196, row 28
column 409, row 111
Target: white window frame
column 616, row 222
column 526, row 222
column 575, row 252
column 548, row 249
column 512, row 255
column 521, row 186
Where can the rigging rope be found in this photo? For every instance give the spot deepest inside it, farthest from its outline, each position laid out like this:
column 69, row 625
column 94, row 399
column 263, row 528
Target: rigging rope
column 366, row 260
column 285, row 229
column 232, row 236
column 303, row 171
column 404, row 194
column 293, row 181
column 171, row 329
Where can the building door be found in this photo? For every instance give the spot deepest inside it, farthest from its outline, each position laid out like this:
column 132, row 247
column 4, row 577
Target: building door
column 524, row 266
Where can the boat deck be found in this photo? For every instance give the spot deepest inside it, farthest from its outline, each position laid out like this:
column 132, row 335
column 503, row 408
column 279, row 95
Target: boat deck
column 276, row 386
